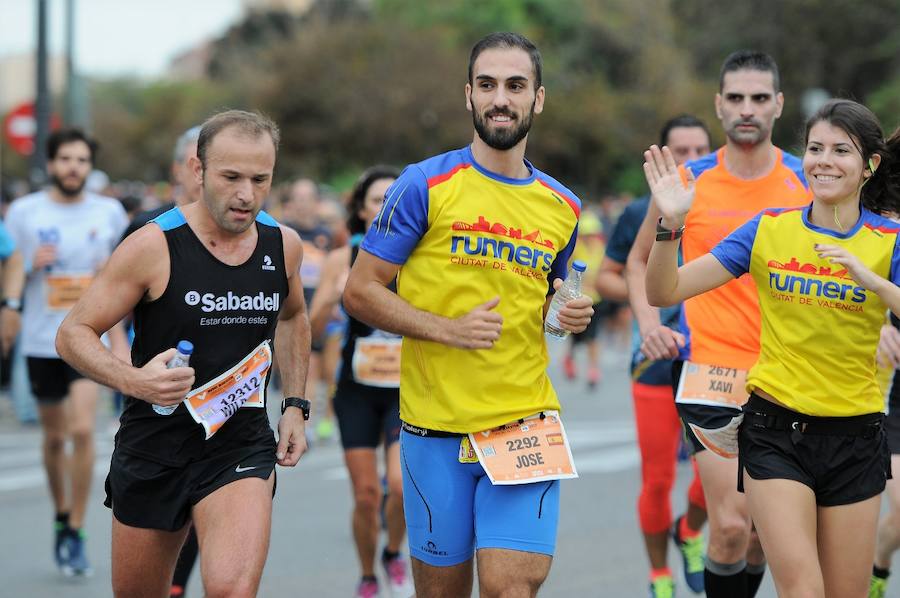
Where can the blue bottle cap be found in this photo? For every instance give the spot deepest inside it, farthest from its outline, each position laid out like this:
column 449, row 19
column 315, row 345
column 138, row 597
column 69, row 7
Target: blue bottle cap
column 185, row 347
column 579, row 265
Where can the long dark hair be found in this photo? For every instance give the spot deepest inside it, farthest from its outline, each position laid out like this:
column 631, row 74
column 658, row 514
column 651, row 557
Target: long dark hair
column 355, row 224
column 881, row 193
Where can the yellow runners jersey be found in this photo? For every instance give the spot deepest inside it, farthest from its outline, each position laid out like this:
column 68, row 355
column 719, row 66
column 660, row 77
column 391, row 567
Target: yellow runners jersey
column 819, row 328
column 462, row 236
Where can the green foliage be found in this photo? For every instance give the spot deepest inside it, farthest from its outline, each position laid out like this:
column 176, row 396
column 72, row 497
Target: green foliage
column 137, row 124
column 379, row 102
column 885, row 103
column 465, row 21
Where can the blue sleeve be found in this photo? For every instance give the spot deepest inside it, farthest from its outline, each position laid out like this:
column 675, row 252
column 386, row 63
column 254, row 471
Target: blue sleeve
column 403, row 218
column 7, row 245
column 626, row 231
column 560, row 266
column 895, row 262
column 15, row 228
column 734, row 250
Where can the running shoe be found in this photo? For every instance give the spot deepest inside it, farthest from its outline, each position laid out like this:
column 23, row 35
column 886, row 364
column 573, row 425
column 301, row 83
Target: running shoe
column 569, row 367
column 878, row 587
column 60, row 546
column 367, row 588
column 662, row 587
column 324, row 430
column 691, row 550
column 398, row 577
column 76, row 563
column 593, row 377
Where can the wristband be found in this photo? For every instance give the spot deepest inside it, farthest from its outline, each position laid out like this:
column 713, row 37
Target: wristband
column 301, row 404
column 11, row 303
column 665, row 234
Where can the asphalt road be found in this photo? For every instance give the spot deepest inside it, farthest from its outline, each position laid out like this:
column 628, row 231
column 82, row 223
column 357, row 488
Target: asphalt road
column 599, row 549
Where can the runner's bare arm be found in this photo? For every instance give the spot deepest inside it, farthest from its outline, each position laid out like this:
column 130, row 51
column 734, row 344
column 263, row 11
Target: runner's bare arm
column 13, row 287
column 138, row 268
column 328, row 293
column 636, row 271
column 292, row 346
column 611, row 280
column 658, row 341
column 14, row 276
column 367, row 298
column 292, row 340
column 667, row 284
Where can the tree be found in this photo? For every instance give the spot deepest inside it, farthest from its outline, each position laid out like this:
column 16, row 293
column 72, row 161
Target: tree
column 137, row 124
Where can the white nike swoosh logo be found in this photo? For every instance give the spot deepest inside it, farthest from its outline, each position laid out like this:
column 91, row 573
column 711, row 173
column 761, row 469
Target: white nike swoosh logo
column 240, row 469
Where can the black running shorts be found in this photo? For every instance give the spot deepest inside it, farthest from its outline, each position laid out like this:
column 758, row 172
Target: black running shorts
column 892, row 421
column 367, row 414
column 147, row 494
column 50, row 378
column 840, row 469
column 690, row 439
column 593, row 327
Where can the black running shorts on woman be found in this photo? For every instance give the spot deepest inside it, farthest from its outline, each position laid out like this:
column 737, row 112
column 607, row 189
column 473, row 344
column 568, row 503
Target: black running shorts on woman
column 366, row 414
column 843, row 460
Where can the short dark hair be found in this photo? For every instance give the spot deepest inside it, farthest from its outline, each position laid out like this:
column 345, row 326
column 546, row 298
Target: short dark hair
column 752, row 60
column 682, row 120
column 60, row 137
column 882, row 191
column 355, row 224
column 251, row 123
column 506, row 39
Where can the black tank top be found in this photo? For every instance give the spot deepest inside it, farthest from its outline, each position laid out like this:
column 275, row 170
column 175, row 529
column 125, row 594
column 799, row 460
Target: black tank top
column 355, row 328
column 226, row 312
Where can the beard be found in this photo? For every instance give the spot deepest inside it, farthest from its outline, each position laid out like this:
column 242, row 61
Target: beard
column 219, row 212
column 504, row 138
column 70, row 190
column 755, row 137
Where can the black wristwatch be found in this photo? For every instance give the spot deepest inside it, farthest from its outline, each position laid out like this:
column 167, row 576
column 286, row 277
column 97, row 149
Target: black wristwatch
column 301, row 404
column 665, row 234
column 11, row 303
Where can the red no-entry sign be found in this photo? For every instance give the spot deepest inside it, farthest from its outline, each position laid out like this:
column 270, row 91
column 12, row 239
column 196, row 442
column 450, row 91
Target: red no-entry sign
column 20, row 127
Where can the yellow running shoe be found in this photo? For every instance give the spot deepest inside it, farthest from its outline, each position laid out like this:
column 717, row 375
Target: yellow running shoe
column 662, row 587
column 877, row 587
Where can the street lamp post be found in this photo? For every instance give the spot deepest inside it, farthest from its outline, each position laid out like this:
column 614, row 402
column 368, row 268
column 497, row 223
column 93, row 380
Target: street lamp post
column 38, row 163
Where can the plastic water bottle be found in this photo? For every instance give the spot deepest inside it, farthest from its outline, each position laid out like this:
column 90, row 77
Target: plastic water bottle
column 570, row 289
column 180, row 360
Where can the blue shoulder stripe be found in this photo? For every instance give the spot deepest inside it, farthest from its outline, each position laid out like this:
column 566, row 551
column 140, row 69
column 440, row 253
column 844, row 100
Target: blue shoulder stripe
column 264, row 218
column 548, row 181
column 436, row 166
column 174, row 218
column 702, row 164
column 795, row 164
column 170, row 219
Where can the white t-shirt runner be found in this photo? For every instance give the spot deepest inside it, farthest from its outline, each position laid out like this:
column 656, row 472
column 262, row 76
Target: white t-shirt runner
column 85, row 234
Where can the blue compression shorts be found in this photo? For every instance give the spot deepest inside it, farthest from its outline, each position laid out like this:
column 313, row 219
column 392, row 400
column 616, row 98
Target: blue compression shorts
column 452, row 509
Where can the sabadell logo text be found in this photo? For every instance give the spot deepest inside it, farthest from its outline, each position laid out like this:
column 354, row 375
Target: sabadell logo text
column 210, row 302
